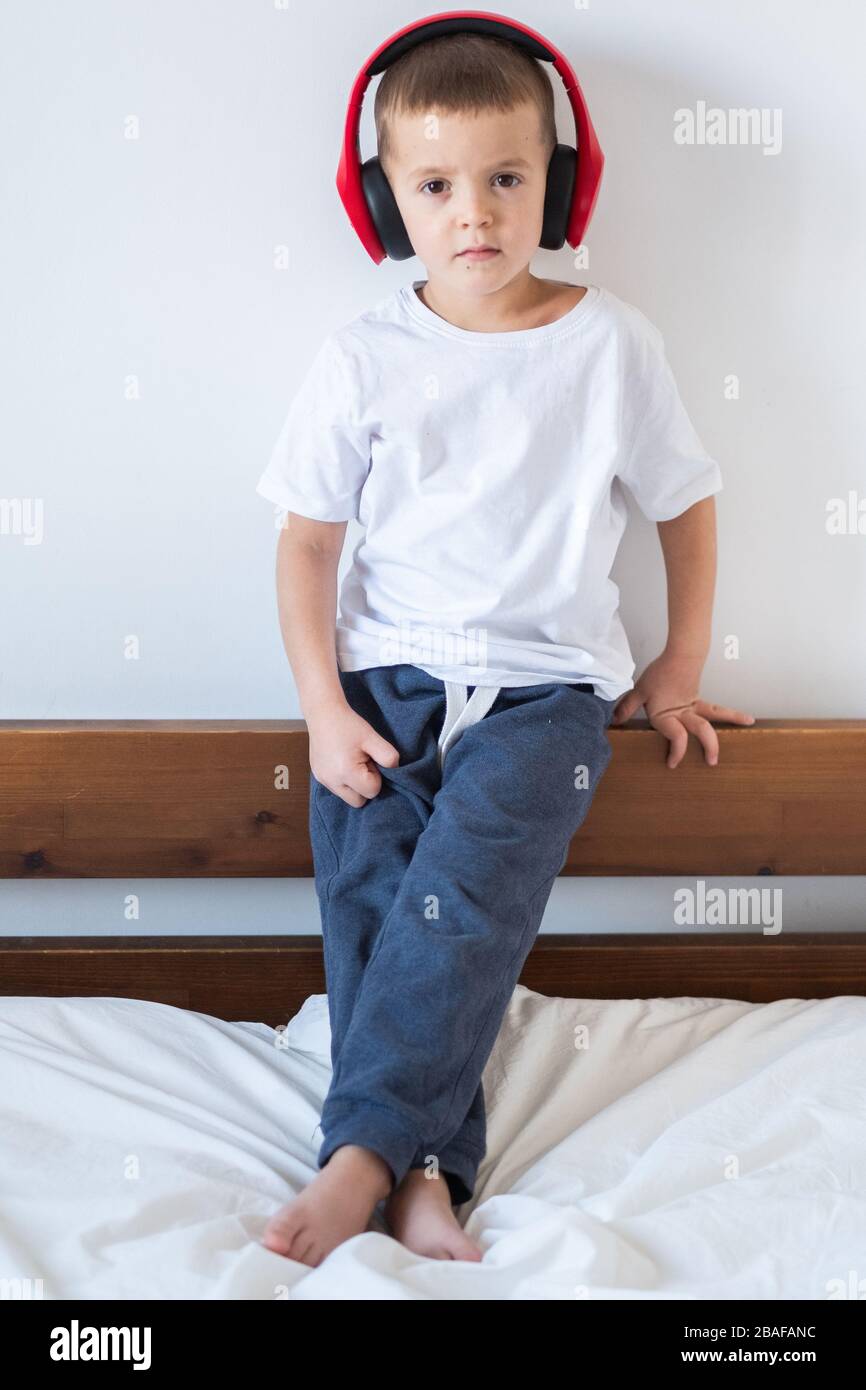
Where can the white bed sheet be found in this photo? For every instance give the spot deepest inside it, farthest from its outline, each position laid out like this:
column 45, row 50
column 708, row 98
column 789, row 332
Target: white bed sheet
column 695, row 1149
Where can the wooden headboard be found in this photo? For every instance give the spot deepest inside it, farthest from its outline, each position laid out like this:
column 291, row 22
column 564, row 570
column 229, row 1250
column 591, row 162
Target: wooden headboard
column 229, row 798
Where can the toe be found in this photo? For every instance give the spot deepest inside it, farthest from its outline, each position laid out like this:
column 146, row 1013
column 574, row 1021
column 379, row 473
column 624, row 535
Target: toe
column 278, row 1241
column 467, row 1250
column 281, row 1233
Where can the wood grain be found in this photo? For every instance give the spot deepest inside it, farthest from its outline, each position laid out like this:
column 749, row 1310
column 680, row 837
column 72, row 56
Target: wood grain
column 203, row 799
column 266, row 979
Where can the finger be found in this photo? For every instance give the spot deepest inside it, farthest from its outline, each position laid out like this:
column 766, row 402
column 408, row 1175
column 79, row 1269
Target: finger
column 723, row 714
column 364, row 779
column 380, row 750
column 705, row 733
column 677, row 735
column 626, row 707
column 350, row 796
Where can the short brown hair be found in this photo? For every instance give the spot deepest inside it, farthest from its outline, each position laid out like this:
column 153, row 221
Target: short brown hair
column 462, row 73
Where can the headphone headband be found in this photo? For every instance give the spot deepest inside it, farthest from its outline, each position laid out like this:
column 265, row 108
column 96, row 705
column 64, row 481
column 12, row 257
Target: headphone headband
column 590, row 160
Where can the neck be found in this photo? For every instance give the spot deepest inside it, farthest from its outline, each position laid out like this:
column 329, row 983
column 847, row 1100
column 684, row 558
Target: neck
column 498, row 310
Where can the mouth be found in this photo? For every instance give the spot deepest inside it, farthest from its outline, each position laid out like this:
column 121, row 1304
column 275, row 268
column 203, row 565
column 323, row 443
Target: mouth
column 478, row 253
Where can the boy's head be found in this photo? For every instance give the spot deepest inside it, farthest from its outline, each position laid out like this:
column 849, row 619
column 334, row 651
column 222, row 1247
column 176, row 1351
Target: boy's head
column 465, row 128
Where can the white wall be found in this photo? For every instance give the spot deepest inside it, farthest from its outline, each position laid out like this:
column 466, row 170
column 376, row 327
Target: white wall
column 153, row 259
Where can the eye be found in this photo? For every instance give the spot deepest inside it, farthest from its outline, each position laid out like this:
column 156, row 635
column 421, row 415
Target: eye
column 429, row 182
column 509, row 176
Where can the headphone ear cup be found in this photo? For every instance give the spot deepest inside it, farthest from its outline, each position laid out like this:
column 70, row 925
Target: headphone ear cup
column 561, row 175
column 384, row 211
column 391, row 229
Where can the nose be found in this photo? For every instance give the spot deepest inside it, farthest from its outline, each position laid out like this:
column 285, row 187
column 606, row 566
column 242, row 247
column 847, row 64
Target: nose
column 474, row 208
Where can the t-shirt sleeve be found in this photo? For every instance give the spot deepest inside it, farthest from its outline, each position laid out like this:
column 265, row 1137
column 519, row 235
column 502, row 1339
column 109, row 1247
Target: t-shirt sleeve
column 319, row 463
column 666, row 467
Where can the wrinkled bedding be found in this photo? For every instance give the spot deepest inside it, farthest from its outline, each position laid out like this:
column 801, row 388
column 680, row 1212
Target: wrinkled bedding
column 682, row 1148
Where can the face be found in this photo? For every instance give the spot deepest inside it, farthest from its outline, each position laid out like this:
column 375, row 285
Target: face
column 466, row 181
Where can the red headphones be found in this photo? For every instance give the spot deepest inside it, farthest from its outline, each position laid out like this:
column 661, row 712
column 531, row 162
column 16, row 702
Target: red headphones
column 573, row 180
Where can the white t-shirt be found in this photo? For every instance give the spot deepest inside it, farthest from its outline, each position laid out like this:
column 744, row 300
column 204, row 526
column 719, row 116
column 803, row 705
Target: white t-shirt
column 486, row 469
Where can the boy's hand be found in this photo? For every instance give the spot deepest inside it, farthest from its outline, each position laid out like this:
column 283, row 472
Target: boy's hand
column 668, row 688
column 344, row 750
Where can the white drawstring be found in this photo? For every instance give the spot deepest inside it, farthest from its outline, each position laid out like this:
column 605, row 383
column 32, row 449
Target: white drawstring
column 460, row 712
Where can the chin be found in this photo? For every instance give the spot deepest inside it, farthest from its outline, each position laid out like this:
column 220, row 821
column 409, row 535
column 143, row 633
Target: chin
column 482, row 271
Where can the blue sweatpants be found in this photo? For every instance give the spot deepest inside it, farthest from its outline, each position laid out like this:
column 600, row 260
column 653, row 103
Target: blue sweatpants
column 431, row 896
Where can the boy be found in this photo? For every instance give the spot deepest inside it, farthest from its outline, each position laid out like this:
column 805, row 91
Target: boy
column 477, row 424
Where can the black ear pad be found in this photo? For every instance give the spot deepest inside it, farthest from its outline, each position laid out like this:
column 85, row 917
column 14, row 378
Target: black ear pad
column 561, row 173
column 384, row 211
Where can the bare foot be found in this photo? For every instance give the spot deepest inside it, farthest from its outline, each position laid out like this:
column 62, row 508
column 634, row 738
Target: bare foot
column 419, row 1214
column 335, row 1206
